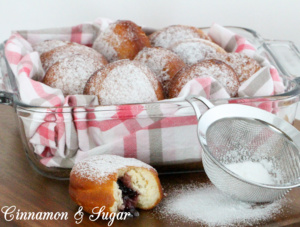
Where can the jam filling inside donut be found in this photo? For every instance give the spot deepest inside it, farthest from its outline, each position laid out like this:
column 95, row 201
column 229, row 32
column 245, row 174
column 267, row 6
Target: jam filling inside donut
column 129, row 196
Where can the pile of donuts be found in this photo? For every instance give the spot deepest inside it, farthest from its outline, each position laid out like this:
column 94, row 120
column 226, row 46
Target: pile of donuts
column 125, row 65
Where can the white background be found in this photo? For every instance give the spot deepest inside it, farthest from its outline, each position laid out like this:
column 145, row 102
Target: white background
column 275, row 19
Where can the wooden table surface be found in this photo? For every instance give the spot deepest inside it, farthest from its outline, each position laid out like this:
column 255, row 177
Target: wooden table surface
column 30, row 192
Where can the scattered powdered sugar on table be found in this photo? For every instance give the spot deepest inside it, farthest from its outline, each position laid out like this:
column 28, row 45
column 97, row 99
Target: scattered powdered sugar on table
column 259, row 172
column 207, row 205
column 98, row 167
column 128, row 83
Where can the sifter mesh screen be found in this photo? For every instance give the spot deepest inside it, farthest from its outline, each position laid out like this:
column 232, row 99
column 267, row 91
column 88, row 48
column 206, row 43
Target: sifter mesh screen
column 234, row 140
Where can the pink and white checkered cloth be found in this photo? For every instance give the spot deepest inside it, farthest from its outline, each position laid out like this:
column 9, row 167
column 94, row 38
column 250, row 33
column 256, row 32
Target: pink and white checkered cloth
column 157, row 133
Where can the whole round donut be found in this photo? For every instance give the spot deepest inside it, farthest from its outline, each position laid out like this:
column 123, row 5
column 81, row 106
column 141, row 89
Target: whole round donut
column 48, row 45
column 71, row 73
column 192, row 51
column 217, row 69
column 124, row 82
column 175, row 33
column 122, row 39
column 58, row 53
column 243, row 65
column 162, row 62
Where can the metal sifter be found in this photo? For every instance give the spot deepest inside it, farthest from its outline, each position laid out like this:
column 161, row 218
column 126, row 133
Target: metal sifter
column 234, row 133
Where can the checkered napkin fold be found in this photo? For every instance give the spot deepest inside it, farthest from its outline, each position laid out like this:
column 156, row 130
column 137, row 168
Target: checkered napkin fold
column 74, row 127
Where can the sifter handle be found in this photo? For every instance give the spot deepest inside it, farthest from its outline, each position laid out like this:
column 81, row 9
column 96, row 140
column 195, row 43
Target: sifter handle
column 193, row 99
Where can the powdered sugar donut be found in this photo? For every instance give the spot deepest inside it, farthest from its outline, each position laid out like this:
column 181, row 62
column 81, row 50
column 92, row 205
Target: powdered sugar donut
column 123, row 82
column 48, row 45
column 116, row 183
column 243, row 65
column 207, row 68
column 71, row 73
column 162, row 62
column 58, row 53
column 175, row 33
column 192, row 51
column 121, row 40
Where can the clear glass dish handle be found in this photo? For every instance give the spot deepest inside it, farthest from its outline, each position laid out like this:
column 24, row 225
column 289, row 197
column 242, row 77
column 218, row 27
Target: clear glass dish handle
column 6, row 91
column 286, row 56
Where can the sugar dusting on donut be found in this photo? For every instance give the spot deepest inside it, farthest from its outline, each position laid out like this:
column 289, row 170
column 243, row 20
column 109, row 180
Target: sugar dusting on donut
column 172, row 34
column 123, row 39
column 103, row 43
column 162, row 62
column 193, row 51
column 243, row 65
column 71, row 73
column 203, row 71
column 48, row 45
column 207, row 68
column 98, row 168
column 58, row 53
column 221, row 73
column 156, row 62
column 127, row 83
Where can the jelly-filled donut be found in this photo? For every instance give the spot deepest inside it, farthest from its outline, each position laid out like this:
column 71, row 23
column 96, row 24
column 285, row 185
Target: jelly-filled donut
column 58, row 53
column 114, row 183
column 123, row 82
column 175, row 33
column 121, row 40
column 192, row 51
column 48, row 45
column 243, row 65
column 162, row 62
column 71, row 73
column 207, row 68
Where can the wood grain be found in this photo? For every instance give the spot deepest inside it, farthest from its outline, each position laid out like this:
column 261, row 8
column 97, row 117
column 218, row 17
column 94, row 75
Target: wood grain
column 30, row 192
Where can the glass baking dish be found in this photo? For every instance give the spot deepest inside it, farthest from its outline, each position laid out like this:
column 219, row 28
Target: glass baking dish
column 282, row 54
